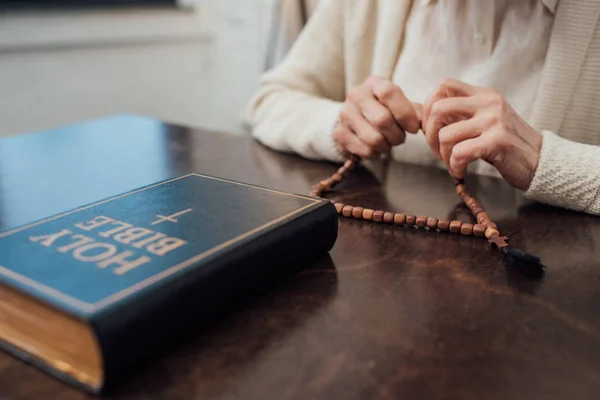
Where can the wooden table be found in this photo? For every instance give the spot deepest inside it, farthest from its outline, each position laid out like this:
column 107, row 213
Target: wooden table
column 392, row 313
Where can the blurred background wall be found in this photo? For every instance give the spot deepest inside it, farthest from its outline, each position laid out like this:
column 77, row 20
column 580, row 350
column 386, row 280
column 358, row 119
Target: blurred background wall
column 196, row 65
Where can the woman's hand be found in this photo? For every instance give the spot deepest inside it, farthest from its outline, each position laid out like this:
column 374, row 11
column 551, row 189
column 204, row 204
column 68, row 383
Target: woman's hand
column 374, row 118
column 463, row 123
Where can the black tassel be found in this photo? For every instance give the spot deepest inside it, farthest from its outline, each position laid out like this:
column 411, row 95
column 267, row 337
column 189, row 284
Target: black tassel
column 528, row 264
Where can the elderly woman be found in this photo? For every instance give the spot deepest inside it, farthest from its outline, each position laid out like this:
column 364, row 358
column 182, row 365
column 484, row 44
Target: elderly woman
column 519, row 95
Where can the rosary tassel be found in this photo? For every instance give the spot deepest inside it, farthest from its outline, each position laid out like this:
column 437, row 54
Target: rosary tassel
column 528, row 264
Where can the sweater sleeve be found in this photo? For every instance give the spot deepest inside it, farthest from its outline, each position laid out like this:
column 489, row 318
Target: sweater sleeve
column 568, row 175
column 298, row 102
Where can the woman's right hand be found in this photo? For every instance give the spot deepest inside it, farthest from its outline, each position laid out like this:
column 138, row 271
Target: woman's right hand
column 374, row 118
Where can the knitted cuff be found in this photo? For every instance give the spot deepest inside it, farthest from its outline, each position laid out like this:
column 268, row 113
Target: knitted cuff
column 322, row 137
column 568, row 175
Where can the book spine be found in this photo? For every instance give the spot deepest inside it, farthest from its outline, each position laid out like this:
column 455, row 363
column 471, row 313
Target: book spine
column 152, row 323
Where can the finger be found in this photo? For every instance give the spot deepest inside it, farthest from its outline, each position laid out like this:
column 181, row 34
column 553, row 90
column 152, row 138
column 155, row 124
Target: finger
column 466, row 152
column 447, row 89
column 350, row 143
column 451, row 135
column 392, row 97
column 382, row 120
column 455, row 87
column 364, row 131
column 419, row 110
column 445, row 112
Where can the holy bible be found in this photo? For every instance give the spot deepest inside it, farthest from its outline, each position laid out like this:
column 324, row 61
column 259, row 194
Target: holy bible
column 91, row 294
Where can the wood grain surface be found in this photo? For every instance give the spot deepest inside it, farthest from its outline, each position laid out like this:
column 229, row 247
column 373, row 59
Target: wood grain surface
column 392, row 313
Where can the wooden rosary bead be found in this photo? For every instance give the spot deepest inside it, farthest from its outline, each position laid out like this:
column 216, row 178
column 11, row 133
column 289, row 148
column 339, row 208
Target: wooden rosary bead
column 460, row 188
column 443, row 225
column 347, row 211
column 490, row 224
column 337, row 177
column 411, row 220
column 482, row 216
column 339, row 207
column 349, row 164
column 455, row 226
column 432, row 223
column 378, row 216
column 388, row 218
column 479, row 230
column 477, row 210
column 421, row 222
column 399, row 219
column 466, row 229
column 474, row 204
column 368, row 214
column 343, row 172
column 357, row 212
column 491, row 232
column 325, row 185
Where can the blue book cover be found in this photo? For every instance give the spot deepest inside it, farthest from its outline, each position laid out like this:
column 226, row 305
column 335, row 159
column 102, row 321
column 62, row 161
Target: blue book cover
column 122, row 265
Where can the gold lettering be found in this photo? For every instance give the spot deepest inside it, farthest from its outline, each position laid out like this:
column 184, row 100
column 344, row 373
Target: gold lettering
column 82, row 240
column 124, row 265
column 47, row 240
column 165, row 245
column 124, row 225
column 142, row 243
column 110, row 250
column 94, row 223
column 131, row 234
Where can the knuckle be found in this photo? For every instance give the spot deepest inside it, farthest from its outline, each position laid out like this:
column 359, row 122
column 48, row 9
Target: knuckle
column 446, row 86
column 339, row 135
column 353, row 95
column 375, row 142
column 378, row 141
column 436, row 109
column 460, row 155
column 497, row 138
column 494, row 99
column 368, row 152
column 447, row 82
column 383, row 120
column 344, row 117
column 373, row 80
column 386, row 90
column 494, row 119
column 445, row 137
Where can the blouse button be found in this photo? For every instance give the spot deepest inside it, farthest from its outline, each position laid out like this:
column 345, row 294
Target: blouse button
column 479, row 38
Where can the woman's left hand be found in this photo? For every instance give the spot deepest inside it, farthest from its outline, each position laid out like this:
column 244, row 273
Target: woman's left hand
column 463, row 123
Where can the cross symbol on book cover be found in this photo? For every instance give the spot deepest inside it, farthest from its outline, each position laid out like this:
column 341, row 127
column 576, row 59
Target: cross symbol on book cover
column 170, row 218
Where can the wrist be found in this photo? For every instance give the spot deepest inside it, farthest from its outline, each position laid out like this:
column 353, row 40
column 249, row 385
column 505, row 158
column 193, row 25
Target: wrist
column 533, row 157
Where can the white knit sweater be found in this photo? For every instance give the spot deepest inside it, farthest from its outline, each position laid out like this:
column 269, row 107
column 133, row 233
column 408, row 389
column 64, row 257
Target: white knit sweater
column 299, row 101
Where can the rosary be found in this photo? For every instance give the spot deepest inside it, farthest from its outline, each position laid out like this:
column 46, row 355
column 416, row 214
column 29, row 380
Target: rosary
column 525, row 263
